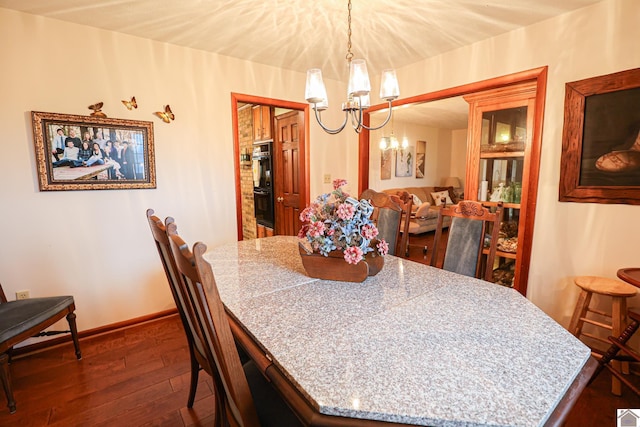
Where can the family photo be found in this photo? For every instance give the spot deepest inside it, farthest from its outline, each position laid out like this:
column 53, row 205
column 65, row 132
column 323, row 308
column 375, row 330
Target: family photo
column 82, row 152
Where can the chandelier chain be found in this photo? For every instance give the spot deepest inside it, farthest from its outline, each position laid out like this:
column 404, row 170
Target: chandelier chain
column 349, row 55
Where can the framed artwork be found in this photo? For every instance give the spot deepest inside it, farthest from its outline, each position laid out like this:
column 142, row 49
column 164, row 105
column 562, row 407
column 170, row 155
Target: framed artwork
column 92, row 153
column 385, row 164
column 600, row 160
column 404, row 161
column 421, row 149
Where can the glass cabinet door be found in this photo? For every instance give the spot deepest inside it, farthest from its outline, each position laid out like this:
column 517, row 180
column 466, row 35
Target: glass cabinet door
column 502, row 168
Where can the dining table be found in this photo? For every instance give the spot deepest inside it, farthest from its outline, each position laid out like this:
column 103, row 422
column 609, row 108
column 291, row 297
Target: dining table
column 412, row 345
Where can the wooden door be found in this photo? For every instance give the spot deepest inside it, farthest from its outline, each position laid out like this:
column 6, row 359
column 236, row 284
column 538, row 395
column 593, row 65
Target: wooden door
column 288, row 163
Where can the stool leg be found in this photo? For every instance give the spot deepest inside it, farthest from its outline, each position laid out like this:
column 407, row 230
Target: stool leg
column 575, row 327
column 618, row 323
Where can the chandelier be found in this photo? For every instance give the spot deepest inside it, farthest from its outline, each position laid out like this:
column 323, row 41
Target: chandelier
column 357, row 93
column 391, row 142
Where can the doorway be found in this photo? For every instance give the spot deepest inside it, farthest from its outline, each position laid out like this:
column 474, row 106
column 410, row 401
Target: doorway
column 299, row 180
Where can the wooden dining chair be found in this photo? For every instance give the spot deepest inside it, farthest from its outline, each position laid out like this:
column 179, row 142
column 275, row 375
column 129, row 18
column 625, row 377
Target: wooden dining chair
column 28, row 318
column 196, row 350
column 470, row 223
column 247, row 398
column 391, row 216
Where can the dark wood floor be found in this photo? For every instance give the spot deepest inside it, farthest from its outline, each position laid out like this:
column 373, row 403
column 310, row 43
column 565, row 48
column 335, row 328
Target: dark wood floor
column 139, row 376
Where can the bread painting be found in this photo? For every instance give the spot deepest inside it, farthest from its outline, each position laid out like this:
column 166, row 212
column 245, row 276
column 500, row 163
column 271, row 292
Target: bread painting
column 619, row 161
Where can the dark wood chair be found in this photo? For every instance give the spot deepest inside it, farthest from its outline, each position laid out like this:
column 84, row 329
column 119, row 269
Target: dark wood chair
column 470, row 222
column 246, row 397
column 619, row 344
column 391, row 216
column 196, row 352
column 28, row 318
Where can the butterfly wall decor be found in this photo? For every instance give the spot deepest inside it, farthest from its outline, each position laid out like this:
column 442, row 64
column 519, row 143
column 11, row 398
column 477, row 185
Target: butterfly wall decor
column 130, row 104
column 166, row 115
column 97, row 109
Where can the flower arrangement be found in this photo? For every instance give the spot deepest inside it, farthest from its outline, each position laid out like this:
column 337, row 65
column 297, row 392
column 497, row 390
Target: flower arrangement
column 336, row 221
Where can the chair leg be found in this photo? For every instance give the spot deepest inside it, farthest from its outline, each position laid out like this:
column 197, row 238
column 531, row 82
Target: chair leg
column 616, row 343
column 195, row 370
column 71, row 318
column 575, row 326
column 5, row 377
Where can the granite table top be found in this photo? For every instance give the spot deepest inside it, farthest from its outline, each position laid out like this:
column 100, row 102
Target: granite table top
column 413, row 345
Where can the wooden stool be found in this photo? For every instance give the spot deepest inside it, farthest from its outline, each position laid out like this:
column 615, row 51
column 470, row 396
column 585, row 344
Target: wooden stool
column 619, row 292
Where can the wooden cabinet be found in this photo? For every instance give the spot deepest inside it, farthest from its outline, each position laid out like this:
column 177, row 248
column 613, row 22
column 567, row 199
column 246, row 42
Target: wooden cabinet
column 262, row 122
column 262, row 231
column 502, row 166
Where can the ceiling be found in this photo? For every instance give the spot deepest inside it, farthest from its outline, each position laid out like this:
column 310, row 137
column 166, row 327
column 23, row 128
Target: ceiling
column 303, row 34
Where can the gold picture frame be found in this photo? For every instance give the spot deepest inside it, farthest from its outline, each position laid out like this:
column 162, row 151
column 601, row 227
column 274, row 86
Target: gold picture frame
column 124, row 159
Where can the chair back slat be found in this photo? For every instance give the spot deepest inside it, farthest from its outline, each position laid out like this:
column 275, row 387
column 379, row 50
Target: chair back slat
column 158, row 230
column 206, row 311
column 470, row 222
column 390, row 213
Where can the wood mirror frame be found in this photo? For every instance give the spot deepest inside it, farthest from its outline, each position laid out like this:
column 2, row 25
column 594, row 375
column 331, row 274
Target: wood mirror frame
column 537, row 75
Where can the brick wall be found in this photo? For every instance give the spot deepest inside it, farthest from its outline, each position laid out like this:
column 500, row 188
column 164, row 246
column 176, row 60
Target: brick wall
column 245, row 139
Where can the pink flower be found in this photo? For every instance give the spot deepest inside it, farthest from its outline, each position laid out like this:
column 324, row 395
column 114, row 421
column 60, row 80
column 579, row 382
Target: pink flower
column 337, row 183
column 353, row 255
column 383, row 247
column 346, row 211
column 316, row 229
column 305, row 215
column 369, row 231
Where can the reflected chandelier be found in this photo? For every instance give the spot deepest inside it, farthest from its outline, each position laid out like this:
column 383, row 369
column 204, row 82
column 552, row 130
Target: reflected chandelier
column 358, row 90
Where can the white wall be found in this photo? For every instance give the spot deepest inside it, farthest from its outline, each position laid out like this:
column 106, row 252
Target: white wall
column 96, row 244
column 443, row 148
column 570, row 239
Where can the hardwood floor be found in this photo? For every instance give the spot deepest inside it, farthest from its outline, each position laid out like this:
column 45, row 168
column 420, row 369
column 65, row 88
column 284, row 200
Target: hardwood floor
column 139, row 376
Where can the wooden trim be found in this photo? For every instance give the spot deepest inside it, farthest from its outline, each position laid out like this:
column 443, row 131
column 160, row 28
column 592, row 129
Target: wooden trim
column 279, row 103
column 559, row 415
column 529, row 80
column 538, row 74
column 31, row 348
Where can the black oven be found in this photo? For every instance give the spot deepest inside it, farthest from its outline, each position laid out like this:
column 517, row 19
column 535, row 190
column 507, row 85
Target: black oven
column 263, row 183
column 263, row 203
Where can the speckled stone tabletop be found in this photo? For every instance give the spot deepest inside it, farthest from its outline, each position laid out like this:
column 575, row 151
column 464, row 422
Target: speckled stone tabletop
column 413, row 344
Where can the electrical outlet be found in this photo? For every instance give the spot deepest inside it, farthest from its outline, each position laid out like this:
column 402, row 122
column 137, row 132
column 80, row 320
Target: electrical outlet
column 327, row 178
column 22, row 294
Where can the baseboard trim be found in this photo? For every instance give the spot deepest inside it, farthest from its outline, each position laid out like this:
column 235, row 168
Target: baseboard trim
column 42, row 345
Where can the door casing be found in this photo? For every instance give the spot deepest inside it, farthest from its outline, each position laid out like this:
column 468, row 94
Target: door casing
column 251, row 99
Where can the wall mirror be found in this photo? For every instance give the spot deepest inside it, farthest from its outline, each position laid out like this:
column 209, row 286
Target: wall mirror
column 443, row 134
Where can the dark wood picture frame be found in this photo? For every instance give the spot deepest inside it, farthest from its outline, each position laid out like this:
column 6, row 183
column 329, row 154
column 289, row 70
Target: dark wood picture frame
column 131, row 165
column 600, row 160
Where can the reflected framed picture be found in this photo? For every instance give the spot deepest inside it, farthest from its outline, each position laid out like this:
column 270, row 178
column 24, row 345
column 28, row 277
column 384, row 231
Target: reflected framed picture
column 385, row 164
column 421, row 149
column 92, row 153
column 600, row 160
column 404, row 162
